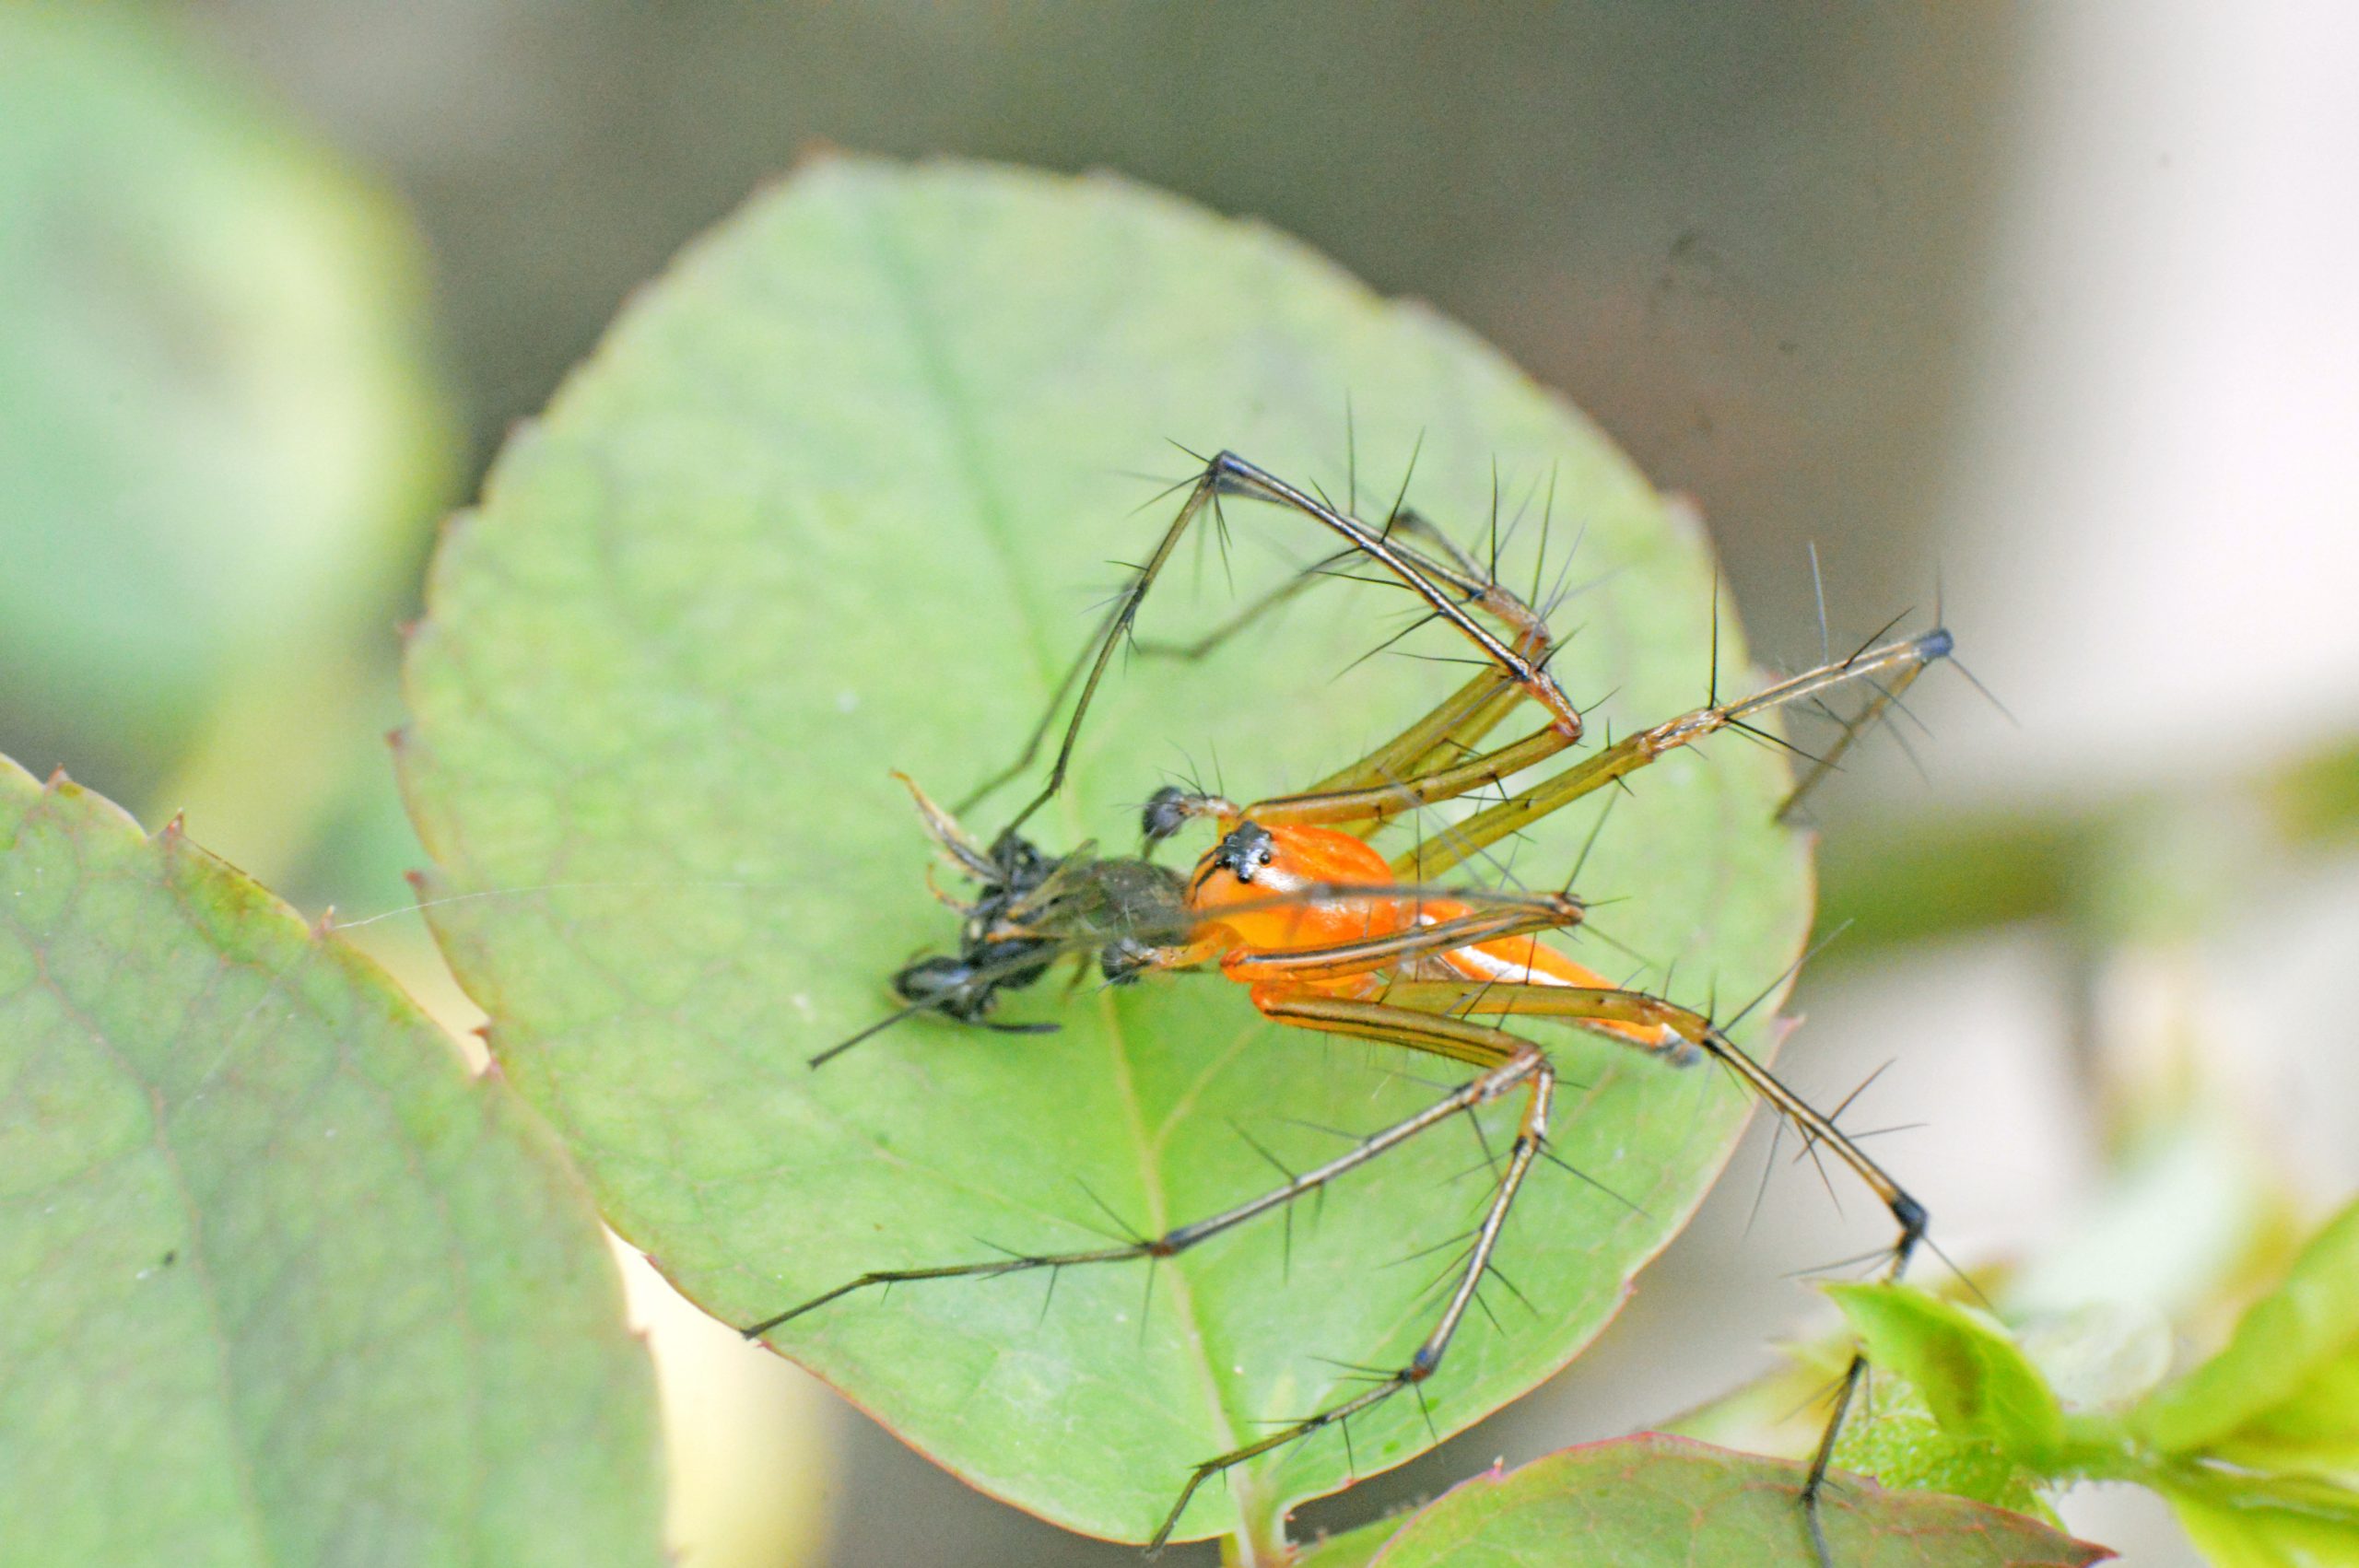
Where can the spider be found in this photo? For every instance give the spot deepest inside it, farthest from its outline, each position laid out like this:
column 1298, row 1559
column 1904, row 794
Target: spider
column 1329, row 935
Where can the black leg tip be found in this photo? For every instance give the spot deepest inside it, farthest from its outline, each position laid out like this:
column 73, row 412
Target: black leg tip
column 1912, row 1216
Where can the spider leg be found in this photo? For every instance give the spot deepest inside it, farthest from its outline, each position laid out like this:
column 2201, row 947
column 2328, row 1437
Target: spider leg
column 1504, row 915
column 1828, row 760
column 1452, row 729
column 1606, row 1007
column 1459, row 999
column 1268, row 604
column 1442, row 586
column 1632, row 753
column 1462, row 571
column 1517, row 1064
column 1178, row 1239
column 1379, row 803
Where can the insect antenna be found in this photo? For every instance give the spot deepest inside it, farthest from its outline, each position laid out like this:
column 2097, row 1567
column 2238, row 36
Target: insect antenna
column 876, row 1028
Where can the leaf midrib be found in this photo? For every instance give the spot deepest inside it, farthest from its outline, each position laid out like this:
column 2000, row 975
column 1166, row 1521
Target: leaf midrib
column 955, row 412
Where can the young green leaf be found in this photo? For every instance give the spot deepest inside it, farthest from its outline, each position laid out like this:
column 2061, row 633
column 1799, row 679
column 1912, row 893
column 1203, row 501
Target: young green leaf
column 1892, row 1436
column 1656, row 1502
column 1974, row 1379
column 282, row 1284
column 2283, row 1394
column 839, row 494
column 2238, row 1525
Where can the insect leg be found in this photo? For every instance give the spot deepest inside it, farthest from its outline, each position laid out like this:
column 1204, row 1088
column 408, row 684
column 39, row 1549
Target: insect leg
column 1377, row 804
column 1032, row 743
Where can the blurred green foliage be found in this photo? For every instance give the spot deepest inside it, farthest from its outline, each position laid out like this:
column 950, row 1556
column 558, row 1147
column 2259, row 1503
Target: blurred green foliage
column 2258, row 1447
column 223, row 428
column 2149, row 862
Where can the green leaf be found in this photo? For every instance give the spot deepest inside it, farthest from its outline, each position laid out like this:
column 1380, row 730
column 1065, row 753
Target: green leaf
column 1892, row 1436
column 1974, row 1379
column 2283, row 1394
column 222, row 429
column 840, row 496
column 1656, row 1500
column 282, row 1284
column 2236, row 1526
